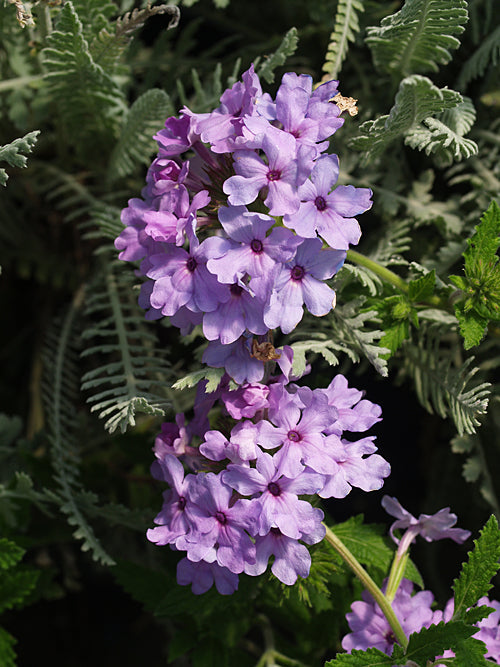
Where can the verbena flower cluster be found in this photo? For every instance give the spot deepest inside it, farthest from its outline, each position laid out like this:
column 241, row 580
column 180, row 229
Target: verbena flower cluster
column 240, row 226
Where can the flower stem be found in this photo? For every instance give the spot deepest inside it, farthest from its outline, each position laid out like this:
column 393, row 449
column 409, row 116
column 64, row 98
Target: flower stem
column 371, row 586
column 378, row 269
column 390, row 277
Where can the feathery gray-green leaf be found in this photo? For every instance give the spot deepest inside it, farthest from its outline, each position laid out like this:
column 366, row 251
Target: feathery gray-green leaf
column 419, row 37
column 416, row 100
column 345, row 30
column 13, row 153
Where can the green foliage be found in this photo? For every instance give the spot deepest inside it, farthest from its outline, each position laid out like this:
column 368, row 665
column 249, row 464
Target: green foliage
column 61, row 387
column 135, row 144
column 132, row 377
column 13, row 153
column 87, row 97
column 475, row 578
column 16, row 584
column 417, row 101
column 345, row 29
column 419, row 37
column 287, row 47
column 487, row 54
column 479, row 302
column 443, row 388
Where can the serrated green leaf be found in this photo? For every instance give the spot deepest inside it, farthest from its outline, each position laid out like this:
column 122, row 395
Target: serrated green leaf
column 471, row 653
column 430, row 643
column 472, row 326
column 7, row 653
column 394, row 336
column 345, row 30
column 15, row 586
column 422, row 288
column 369, row 658
column 475, row 578
column 484, row 243
column 10, row 553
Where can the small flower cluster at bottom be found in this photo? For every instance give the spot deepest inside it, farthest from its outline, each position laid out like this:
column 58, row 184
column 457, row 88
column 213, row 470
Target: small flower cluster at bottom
column 370, row 628
column 243, row 501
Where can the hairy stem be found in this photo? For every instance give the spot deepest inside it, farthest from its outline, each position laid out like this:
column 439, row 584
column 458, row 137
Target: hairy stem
column 371, row 586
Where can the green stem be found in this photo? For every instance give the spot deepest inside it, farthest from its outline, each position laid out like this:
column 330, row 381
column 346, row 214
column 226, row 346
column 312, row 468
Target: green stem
column 396, row 575
column 371, row 586
column 378, row 269
column 389, row 276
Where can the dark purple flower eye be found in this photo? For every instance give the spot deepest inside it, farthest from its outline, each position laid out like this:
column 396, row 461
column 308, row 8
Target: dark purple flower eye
column 221, row 517
column 274, row 488
column 191, row 264
column 294, row 436
column 320, row 203
column 181, row 503
column 274, row 175
column 257, row 246
column 297, row 273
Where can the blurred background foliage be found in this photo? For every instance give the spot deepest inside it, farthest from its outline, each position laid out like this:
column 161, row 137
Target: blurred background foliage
column 85, row 380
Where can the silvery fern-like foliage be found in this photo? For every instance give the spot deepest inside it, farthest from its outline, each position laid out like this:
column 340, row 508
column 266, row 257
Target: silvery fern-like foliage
column 440, row 385
column 61, row 386
column 417, row 101
column 13, row 153
column 88, row 98
column 135, row 144
column 419, row 37
column 345, row 30
column 487, row 54
column 129, row 373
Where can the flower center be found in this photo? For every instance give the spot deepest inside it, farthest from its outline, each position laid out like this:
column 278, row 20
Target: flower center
column 297, row 273
column 294, row 436
column 320, row 203
column 274, row 488
column 191, row 264
column 181, row 503
column 221, row 517
column 236, row 290
column 257, row 246
column 273, row 175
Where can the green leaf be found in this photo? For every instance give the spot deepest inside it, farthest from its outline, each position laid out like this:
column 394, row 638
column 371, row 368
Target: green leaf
column 136, row 144
column 370, row 548
column 419, row 37
column 422, row 288
column 480, row 300
column 475, row 578
column 345, row 30
column 287, row 47
column 369, row 658
column 16, row 586
column 471, row 652
column 212, row 375
column 10, row 553
column 430, row 643
column 13, row 152
column 416, row 100
column 7, row 653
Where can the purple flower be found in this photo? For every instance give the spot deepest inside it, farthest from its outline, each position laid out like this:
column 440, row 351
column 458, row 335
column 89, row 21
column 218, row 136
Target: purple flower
column 236, row 358
column 330, row 214
column 239, row 448
column 370, row 628
column 203, row 575
column 279, row 505
column 300, row 282
column 179, row 516
column 430, row 526
column 222, row 526
column 352, row 468
column 278, row 175
column 291, row 559
column 246, row 401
